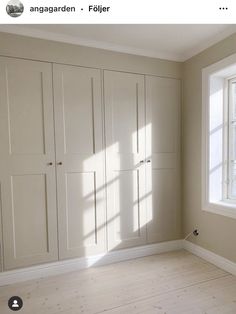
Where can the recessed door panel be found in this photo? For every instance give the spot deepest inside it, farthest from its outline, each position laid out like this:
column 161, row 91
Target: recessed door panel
column 80, row 161
column 27, row 120
column 125, row 154
column 27, row 168
column 124, row 107
column 78, row 111
column 127, row 207
column 163, row 96
column 29, row 211
column 81, row 209
column 163, row 220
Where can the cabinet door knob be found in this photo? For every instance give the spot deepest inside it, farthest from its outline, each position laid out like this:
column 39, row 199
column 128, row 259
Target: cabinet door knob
column 59, row 163
column 50, row 163
column 148, row 160
column 141, row 161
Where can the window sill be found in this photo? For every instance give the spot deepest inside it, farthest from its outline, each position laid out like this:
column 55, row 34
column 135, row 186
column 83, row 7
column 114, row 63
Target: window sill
column 223, row 208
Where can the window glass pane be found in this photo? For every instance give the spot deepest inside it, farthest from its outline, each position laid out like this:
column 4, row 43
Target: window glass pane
column 232, row 180
column 233, row 142
column 233, row 189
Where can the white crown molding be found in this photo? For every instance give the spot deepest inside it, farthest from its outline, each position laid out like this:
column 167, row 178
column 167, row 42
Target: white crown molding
column 210, row 42
column 57, row 268
column 30, row 31
column 211, row 257
column 35, row 33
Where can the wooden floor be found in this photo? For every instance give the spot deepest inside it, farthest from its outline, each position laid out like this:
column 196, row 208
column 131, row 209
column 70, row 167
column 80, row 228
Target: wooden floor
column 176, row 282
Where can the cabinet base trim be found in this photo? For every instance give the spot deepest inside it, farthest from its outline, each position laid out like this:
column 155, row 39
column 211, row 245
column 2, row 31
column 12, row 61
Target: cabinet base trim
column 57, row 268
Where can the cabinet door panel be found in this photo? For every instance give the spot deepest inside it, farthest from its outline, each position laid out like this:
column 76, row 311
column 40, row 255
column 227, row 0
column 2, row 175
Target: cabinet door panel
column 127, row 208
column 78, row 111
column 28, row 186
column 78, row 187
column 163, row 216
column 125, row 148
column 163, row 151
column 79, row 147
column 27, row 116
column 29, row 201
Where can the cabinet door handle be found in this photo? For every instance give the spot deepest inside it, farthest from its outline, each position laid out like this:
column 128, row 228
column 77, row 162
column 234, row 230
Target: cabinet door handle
column 148, row 160
column 141, row 161
column 59, row 163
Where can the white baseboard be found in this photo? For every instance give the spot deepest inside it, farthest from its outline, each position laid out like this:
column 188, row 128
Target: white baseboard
column 56, row 268
column 60, row 267
column 211, row 257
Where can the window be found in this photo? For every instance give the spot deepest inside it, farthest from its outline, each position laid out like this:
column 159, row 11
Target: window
column 231, row 164
column 219, row 137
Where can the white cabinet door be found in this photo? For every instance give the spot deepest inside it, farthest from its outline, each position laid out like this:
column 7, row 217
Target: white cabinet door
column 80, row 161
column 27, row 169
column 163, row 152
column 125, row 148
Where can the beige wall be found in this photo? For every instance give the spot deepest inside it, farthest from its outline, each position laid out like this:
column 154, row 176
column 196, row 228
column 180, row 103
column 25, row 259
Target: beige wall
column 45, row 50
column 217, row 233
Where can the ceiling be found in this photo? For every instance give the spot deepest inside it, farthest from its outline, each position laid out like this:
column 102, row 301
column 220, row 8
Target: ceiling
column 172, row 42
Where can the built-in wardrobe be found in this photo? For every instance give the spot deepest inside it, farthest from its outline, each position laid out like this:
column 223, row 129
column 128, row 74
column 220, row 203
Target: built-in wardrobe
column 89, row 161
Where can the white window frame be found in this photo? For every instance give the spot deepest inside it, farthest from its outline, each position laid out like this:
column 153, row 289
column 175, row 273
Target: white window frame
column 217, row 204
column 229, row 104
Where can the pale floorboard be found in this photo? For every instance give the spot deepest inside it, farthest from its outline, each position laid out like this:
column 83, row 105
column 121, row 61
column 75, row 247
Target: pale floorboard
column 176, row 282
